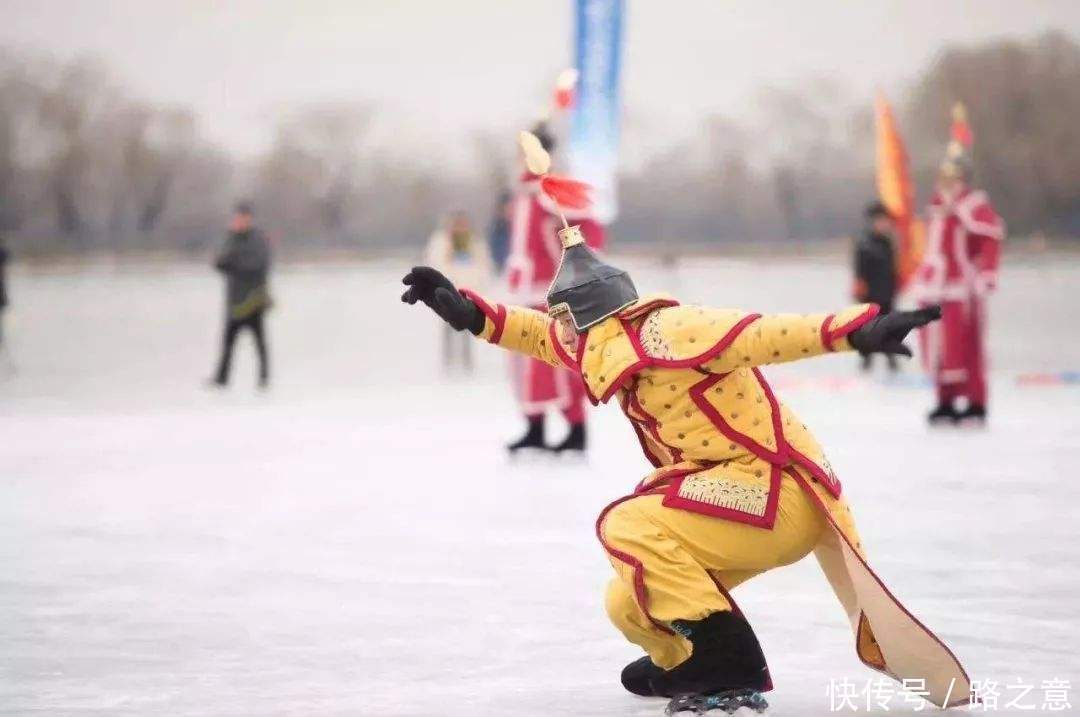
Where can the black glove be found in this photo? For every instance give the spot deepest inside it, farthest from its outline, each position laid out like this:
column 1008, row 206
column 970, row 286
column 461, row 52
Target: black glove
column 885, row 334
column 442, row 297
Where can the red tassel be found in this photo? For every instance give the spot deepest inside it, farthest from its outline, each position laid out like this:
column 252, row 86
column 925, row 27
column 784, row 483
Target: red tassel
column 566, row 192
column 961, row 132
column 564, row 97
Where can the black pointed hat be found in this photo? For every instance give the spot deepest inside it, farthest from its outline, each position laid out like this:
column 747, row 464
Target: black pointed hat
column 585, row 286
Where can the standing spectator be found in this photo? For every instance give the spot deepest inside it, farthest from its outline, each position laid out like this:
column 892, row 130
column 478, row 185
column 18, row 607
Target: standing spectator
column 875, row 267
column 245, row 262
column 535, row 252
column 499, row 234
column 458, row 253
column 959, row 271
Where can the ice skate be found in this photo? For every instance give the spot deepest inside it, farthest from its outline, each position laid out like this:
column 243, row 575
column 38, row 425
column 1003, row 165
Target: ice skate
column 944, row 414
column 742, row 703
column 638, row 675
column 574, row 444
column 973, row 416
column 532, row 443
column 726, row 657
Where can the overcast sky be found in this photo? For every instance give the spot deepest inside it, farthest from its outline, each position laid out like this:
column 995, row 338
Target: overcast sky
column 440, row 68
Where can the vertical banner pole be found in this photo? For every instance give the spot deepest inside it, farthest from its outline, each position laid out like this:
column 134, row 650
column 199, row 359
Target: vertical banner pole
column 594, row 129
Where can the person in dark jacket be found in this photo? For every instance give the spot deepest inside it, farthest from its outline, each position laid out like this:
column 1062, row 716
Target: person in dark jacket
column 245, row 262
column 875, row 267
column 499, row 233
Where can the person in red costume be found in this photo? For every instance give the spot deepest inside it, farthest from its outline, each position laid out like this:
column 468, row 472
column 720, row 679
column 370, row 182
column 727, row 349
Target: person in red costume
column 959, row 271
column 535, row 251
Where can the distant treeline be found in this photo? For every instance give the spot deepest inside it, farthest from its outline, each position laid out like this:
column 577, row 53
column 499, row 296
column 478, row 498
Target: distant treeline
column 86, row 167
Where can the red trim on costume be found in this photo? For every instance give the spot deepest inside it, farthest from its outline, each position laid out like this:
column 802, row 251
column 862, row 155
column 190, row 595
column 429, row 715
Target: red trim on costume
column 825, row 340
column 639, row 310
column 496, row 314
column 791, row 454
column 652, row 426
column 634, row 334
column 557, row 346
column 646, row 361
column 697, row 395
column 639, row 569
column 672, row 499
column 661, row 481
column 625, row 375
column 828, row 482
column 710, row 353
column 858, row 322
column 588, row 389
column 782, row 447
column 635, row 424
column 963, row 700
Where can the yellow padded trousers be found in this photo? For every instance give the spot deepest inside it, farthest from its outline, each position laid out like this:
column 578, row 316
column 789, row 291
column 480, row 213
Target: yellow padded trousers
column 678, row 558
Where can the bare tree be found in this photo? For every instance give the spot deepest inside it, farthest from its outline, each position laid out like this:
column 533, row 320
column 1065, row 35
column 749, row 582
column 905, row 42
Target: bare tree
column 1023, row 99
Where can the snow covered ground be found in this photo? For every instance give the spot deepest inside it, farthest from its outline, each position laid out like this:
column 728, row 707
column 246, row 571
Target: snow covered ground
column 354, row 542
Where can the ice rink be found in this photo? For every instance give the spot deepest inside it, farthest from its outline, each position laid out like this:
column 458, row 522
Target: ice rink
column 355, row 542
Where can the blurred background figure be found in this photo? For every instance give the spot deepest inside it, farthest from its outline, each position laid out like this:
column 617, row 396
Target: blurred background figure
column 499, row 233
column 245, row 262
column 875, row 267
column 456, row 251
column 535, row 250
column 959, row 271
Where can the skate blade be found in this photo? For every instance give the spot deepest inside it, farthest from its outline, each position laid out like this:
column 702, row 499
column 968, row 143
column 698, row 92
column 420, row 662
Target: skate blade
column 738, row 702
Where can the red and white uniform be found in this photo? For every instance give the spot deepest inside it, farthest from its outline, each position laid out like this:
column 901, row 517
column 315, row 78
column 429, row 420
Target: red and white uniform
column 959, row 271
column 535, row 252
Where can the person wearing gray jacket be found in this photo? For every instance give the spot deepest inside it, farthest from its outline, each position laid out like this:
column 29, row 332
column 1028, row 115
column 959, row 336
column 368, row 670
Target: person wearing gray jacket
column 245, row 262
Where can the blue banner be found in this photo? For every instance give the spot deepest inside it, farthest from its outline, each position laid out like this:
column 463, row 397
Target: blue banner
column 594, row 129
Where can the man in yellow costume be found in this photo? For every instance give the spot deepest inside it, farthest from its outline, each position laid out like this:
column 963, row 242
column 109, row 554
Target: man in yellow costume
column 740, row 485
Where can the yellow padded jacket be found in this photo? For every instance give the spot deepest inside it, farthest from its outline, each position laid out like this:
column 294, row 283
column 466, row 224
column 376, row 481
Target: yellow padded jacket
column 687, row 378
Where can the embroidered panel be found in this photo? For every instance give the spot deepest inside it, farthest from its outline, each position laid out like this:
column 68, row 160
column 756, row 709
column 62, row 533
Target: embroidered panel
column 748, row 495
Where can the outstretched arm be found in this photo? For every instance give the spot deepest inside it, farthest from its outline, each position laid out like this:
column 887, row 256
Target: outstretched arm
column 515, row 328
column 777, row 338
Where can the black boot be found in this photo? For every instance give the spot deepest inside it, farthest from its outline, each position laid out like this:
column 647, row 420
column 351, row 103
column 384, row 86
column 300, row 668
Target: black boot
column 533, row 438
column 944, row 413
column 973, row 414
column 638, row 675
column 574, row 441
column 726, row 656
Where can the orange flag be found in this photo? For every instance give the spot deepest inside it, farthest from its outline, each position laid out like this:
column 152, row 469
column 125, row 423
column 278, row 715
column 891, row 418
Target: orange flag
column 897, row 191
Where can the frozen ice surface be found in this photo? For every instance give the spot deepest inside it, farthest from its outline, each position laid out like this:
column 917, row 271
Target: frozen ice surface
column 355, row 542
